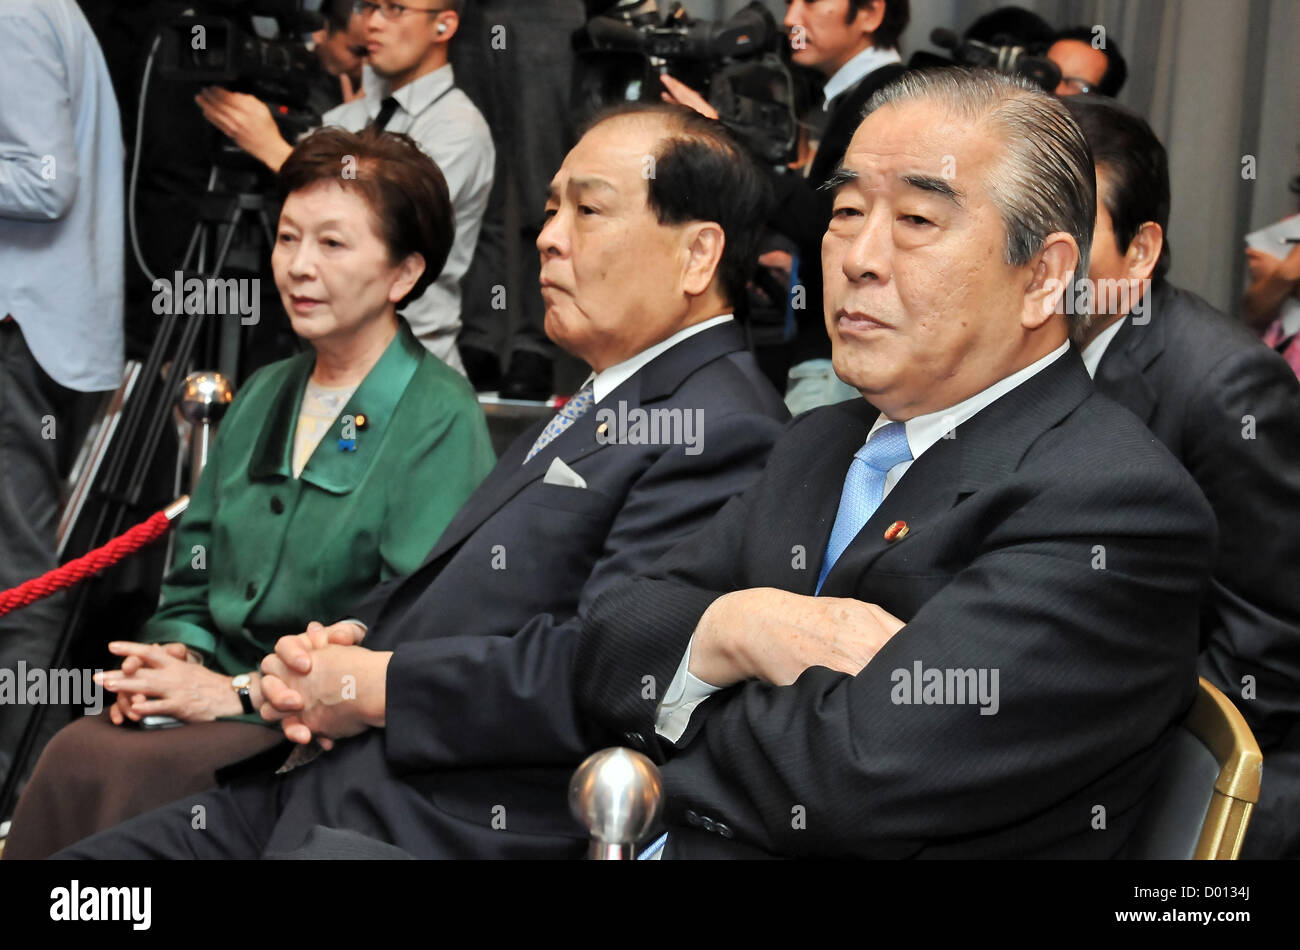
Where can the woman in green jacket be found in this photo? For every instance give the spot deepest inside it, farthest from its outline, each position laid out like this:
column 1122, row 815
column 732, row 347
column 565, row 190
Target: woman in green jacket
column 333, row 471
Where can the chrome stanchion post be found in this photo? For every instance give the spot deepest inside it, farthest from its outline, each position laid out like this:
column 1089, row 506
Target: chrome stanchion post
column 616, row 793
column 203, row 401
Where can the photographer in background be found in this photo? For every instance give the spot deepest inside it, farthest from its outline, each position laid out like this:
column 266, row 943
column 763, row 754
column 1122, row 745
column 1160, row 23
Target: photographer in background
column 1086, row 66
column 854, row 44
column 340, row 45
column 409, row 87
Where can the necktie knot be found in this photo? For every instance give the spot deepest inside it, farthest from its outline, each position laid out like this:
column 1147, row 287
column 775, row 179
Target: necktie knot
column 386, row 110
column 886, row 447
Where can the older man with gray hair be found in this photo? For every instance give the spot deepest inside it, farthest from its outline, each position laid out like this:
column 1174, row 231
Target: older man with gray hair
column 956, row 617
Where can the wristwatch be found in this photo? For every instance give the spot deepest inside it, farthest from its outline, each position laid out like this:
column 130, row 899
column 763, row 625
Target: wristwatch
column 240, row 684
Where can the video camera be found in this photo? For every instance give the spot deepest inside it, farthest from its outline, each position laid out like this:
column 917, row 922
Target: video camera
column 736, row 65
column 253, row 46
column 1010, row 59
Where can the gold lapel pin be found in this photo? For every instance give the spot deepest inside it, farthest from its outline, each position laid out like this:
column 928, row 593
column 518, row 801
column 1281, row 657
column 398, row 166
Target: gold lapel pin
column 896, row 531
column 602, row 429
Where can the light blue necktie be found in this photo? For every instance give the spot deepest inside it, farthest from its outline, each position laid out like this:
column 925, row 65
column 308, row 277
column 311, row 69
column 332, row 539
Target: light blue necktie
column 569, row 413
column 864, row 488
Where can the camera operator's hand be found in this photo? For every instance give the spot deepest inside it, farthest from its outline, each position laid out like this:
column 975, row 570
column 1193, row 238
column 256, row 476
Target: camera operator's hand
column 681, row 94
column 248, row 121
column 349, row 93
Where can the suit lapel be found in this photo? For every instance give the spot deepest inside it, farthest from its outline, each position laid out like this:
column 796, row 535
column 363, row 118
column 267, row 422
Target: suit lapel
column 926, row 492
column 983, row 451
column 840, row 431
column 659, row 378
column 1122, row 372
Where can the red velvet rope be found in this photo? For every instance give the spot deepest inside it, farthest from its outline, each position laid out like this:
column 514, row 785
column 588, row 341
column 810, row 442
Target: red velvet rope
column 124, row 545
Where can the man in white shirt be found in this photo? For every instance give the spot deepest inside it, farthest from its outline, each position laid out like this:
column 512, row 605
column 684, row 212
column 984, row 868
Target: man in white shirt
column 409, row 87
column 61, row 285
column 955, row 616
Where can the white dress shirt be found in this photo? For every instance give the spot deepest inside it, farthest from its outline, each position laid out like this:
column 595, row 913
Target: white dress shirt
column 61, row 194
column 685, row 692
column 455, row 135
column 1094, row 351
column 852, row 72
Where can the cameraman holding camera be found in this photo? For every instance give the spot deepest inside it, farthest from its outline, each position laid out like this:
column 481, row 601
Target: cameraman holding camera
column 409, row 87
column 853, row 43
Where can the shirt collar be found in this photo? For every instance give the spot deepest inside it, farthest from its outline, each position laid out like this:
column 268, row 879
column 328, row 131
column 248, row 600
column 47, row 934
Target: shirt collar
column 851, row 73
column 1094, row 351
column 414, row 97
column 924, row 431
column 609, row 379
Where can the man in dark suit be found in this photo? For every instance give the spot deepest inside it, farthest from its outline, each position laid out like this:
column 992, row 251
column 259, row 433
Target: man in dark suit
column 956, row 618
column 455, row 726
column 1229, row 408
column 853, row 44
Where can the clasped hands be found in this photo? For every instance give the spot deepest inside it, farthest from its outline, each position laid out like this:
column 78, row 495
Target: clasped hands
column 321, row 684
column 773, row 635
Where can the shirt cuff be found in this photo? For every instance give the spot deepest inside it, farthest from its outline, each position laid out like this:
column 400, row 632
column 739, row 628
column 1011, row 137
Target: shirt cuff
column 685, row 692
column 364, row 628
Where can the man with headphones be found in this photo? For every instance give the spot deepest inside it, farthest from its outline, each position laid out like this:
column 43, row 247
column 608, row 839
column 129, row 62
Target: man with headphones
column 409, row 87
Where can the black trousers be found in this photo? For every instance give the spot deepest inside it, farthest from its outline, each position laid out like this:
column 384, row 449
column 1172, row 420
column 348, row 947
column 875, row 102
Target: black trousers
column 42, row 425
column 232, row 821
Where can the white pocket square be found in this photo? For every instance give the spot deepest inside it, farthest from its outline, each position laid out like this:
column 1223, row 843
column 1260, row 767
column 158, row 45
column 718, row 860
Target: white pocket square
column 561, row 474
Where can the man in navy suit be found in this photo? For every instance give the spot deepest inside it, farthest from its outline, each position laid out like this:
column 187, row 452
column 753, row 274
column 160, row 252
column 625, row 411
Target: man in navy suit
column 1229, row 408
column 452, row 731
column 956, row 617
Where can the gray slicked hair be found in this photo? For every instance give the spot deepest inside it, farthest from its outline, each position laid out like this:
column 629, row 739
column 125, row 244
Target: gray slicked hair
column 1045, row 182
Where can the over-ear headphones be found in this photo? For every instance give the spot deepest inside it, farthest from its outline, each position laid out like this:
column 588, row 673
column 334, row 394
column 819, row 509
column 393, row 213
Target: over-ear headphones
column 442, row 27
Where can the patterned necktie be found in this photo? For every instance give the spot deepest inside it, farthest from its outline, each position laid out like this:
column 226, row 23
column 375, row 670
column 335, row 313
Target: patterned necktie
column 569, row 413
column 864, row 489
column 386, row 110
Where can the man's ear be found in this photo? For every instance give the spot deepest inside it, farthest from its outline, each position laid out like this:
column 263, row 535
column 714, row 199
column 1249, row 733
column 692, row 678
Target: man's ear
column 870, row 17
column 408, row 272
column 1144, row 251
column 452, row 19
column 1051, row 280
column 705, row 242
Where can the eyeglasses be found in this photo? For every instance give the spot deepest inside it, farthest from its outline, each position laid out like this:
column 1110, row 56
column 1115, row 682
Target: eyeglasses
column 391, row 11
column 1080, row 86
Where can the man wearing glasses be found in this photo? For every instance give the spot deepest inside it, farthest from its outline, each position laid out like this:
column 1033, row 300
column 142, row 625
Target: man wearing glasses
column 1089, row 61
column 409, row 87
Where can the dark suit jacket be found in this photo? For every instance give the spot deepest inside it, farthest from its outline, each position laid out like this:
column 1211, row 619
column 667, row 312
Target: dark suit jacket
column 802, row 211
column 1053, row 540
column 1228, row 407
column 482, row 733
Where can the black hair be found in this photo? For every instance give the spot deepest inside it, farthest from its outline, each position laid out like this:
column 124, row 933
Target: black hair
column 337, row 14
column 1136, row 167
column 1012, row 26
column 897, row 15
column 702, row 173
column 1112, row 81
